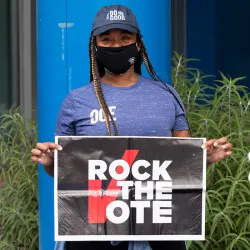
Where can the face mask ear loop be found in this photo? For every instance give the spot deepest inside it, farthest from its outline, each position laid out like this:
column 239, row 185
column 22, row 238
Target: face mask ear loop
column 137, row 47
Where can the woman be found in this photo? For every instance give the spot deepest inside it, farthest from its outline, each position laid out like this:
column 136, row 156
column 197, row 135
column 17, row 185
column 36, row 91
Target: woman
column 119, row 101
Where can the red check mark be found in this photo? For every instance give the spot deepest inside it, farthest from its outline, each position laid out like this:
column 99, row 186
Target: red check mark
column 97, row 204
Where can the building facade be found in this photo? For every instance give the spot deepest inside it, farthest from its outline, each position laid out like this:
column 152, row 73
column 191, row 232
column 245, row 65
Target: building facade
column 18, row 56
column 41, row 35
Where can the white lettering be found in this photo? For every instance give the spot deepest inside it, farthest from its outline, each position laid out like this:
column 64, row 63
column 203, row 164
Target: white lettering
column 161, row 170
column 119, row 211
column 124, row 213
column 163, row 187
column 113, row 170
column 98, row 116
column 94, row 116
column 115, row 15
column 159, row 208
column 125, row 188
column 112, row 111
column 101, row 116
column 121, row 15
column 139, row 206
column 111, row 15
column 93, row 171
column 161, row 211
column 144, row 187
column 135, row 170
column 156, row 168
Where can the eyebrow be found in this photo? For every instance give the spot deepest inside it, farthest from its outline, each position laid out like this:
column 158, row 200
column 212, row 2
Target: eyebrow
column 122, row 32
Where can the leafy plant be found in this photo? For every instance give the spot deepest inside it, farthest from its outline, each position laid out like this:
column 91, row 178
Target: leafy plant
column 18, row 192
column 221, row 109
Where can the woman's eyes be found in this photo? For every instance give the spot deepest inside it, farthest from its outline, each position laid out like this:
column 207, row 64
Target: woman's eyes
column 124, row 38
column 108, row 39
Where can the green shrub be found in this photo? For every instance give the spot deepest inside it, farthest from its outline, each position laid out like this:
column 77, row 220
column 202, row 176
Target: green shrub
column 18, row 191
column 225, row 111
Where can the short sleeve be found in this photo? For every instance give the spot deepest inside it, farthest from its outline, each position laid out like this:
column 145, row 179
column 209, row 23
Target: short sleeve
column 65, row 122
column 180, row 114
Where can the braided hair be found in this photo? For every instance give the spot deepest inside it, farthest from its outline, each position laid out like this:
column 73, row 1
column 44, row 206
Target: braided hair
column 97, row 71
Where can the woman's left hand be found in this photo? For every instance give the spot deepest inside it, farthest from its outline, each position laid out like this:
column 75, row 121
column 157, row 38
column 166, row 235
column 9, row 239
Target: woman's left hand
column 217, row 149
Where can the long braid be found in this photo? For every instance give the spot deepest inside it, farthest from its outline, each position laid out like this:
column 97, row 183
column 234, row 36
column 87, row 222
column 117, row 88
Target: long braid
column 150, row 69
column 146, row 61
column 95, row 76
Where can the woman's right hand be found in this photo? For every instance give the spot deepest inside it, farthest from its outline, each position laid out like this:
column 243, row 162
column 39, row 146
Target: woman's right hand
column 44, row 153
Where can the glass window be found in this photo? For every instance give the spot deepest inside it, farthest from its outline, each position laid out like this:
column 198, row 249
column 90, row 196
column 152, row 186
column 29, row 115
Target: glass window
column 5, row 70
column 178, row 26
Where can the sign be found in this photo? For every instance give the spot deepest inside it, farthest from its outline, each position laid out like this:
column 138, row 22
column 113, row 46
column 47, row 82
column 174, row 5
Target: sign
column 130, row 188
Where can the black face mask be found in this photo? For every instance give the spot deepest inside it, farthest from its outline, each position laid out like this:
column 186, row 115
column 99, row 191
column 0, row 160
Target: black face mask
column 117, row 60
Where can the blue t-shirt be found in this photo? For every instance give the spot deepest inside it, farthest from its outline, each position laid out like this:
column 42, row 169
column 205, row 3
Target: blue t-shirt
column 146, row 108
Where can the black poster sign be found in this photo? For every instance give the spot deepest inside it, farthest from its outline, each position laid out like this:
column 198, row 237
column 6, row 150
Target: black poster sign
column 130, row 188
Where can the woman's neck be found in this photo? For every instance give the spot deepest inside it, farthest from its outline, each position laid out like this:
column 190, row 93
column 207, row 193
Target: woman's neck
column 125, row 80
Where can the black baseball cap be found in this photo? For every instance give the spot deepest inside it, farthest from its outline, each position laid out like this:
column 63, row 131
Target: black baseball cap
column 114, row 17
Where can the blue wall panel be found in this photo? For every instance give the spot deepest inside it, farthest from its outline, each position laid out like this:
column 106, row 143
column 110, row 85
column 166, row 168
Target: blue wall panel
column 233, row 38
column 64, row 28
column 218, row 34
column 200, row 34
column 51, row 44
